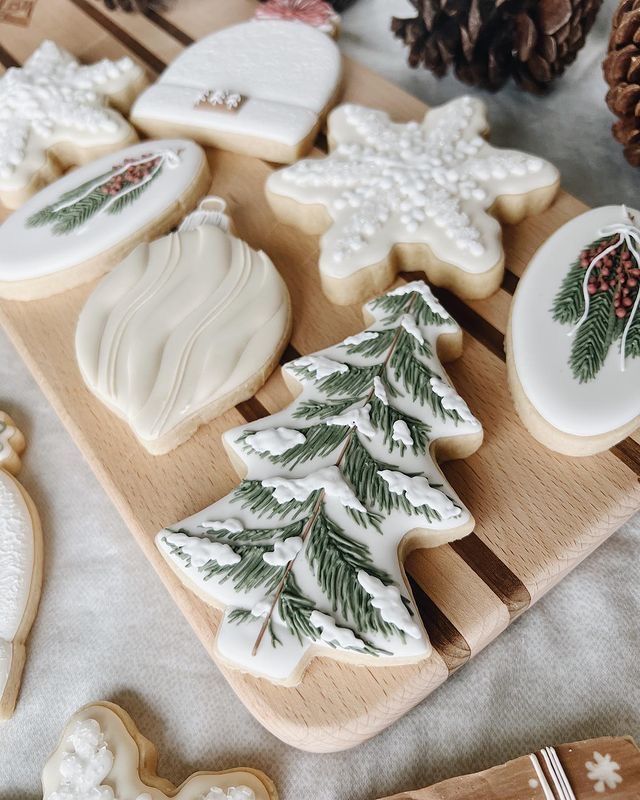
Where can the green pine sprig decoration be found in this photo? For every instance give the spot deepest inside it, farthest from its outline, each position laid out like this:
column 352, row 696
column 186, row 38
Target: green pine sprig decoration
column 610, row 284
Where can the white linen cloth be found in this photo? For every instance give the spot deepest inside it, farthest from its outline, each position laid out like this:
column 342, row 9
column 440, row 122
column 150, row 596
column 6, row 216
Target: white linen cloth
column 107, row 629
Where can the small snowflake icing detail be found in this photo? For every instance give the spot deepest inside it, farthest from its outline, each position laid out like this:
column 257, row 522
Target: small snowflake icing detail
column 432, row 183
column 604, row 772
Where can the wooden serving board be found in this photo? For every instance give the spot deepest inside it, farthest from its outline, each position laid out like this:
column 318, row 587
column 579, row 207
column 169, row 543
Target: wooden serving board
column 538, row 514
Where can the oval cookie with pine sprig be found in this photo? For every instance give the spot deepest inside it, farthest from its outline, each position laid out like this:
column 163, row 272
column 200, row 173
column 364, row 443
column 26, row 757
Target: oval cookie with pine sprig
column 573, row 343
column 84, row 223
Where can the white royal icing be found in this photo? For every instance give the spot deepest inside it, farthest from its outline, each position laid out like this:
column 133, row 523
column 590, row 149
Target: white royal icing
column 202, row 551
column 385, row 183
column 541, row 346
column 275, row 440
column 260, row 61
column 97, row 759
column 419, row 493
column 287, row 490
column 284, row 552
column 28, row 251
column 411, row 327
column 6, row 449
column 389, row 601
column 425, row 292
column 357, row 418
column 604, row 772
column 53, row 99
column 328, row 480
column 335, row 634
column 181, row 324
column 229, row 525
column 17, row 554
column 452, row 401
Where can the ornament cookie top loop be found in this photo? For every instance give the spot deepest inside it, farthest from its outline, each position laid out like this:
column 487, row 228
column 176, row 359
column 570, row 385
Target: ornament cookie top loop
column 210, row 211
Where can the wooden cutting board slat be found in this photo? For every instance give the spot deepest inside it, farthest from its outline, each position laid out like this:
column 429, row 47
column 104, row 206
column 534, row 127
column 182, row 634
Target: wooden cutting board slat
column 538, row 514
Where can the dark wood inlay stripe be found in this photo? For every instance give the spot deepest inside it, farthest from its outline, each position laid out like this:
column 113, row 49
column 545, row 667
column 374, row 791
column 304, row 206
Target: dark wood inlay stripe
column 290, row 354
column 252, row 409
column 150, row 59
column 498, row 577
column 7, row 60
column 510, row 281
column 628, row 451
column 444, row 635
column 168, row 27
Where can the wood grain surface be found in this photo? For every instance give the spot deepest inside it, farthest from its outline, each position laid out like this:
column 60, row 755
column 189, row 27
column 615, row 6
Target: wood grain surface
column 538, row 514
column 525, row 777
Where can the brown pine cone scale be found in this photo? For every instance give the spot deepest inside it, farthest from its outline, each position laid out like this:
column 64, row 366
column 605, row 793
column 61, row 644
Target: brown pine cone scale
column 487, row 42
column 622, row 73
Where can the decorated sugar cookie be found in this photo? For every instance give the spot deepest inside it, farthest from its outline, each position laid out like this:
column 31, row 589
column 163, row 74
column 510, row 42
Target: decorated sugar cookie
column 183, row 329
column 103, row 756
column 305, row 555
column 243, row 89
column 84, row 223
column 415, row 196
column 573, row 343
column 20, row 565
column 318, row 13
column 55, row 112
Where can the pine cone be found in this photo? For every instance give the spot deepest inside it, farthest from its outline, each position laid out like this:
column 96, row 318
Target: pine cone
column 488, row 41
column 622, row 73
column 136, row 5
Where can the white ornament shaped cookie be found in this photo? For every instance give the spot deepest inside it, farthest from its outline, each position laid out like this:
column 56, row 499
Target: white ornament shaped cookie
column 80, row 226
column 183, row 329
column 413, row 196
column 103, row 756
column 284, row 74
column 20, row 566
column 305, row 555
column 573, row 342
column 319, row 14
column 56, row 112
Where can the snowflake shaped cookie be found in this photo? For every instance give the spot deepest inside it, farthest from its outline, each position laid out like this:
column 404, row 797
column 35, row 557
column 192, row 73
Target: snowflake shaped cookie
column 604, row 772
column 416, row 196
column 51, row 100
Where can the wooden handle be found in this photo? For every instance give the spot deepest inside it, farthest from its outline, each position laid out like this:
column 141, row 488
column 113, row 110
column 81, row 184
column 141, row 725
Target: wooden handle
column 595, row 769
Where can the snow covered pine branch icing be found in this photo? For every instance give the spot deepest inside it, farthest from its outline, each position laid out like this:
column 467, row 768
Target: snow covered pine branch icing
column 103, row 756
column 416, row 196
column 305, row 554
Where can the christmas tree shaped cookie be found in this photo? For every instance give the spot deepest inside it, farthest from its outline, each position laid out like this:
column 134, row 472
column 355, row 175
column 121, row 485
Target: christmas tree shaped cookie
column 412, row 196
column 573, row 342
column 103, row 756
column 305, row 555
column 20, row 565
column 54, row 112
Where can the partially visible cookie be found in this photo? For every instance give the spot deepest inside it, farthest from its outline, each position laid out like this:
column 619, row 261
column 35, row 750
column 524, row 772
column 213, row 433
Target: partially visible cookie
column 55, row 112
column 183, row 329
column 20, row 566
column 318, row 13
column 261, row 88
column 573, row 339
column 414, row 196
column 103, row 755
column 80, row 226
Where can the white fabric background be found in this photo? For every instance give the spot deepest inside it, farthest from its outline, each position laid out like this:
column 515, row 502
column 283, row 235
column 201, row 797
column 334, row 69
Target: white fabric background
column 107, row 629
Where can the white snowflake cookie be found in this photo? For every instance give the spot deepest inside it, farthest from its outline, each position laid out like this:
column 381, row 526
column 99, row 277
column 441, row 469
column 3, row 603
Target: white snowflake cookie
column 103, row 756
column 414, row 196
column 55, row 112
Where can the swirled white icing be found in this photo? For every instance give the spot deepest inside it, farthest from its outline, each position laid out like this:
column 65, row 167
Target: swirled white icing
column 17, row 554
column 180, row 326
column 53, row 98
column 258, row 60
column 385, row 183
